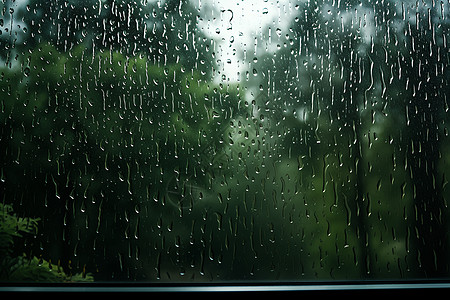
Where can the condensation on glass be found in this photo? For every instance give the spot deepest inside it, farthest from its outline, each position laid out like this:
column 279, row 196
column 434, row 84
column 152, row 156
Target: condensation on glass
column 217, row 141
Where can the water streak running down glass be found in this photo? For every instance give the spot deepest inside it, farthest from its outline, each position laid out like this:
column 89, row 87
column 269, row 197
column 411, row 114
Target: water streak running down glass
column 207, row 141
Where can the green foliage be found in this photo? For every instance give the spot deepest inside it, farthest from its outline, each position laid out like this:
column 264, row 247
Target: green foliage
column 21, row 268
column 115, row 139
column 370, row 162
column 12, row 226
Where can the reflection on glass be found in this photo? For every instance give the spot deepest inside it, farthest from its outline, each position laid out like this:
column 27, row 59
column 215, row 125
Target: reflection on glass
column 199, row 141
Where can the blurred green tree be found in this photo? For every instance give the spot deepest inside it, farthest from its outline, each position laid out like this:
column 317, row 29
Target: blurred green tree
column 354, row 89
column 106, row 137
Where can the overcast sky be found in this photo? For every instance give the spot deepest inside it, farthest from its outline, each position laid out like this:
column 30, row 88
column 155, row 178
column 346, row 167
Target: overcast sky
column 236, row 24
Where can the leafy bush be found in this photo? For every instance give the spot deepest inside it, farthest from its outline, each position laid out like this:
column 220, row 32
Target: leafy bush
column 22, row 268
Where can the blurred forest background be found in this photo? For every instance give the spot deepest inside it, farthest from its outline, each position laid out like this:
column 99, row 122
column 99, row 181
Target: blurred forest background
column 135, row 158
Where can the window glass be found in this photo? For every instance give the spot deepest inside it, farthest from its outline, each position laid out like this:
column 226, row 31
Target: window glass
column 219, row 141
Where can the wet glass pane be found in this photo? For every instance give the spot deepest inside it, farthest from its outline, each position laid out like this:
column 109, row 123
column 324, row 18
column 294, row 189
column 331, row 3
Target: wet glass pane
column 204, row 141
